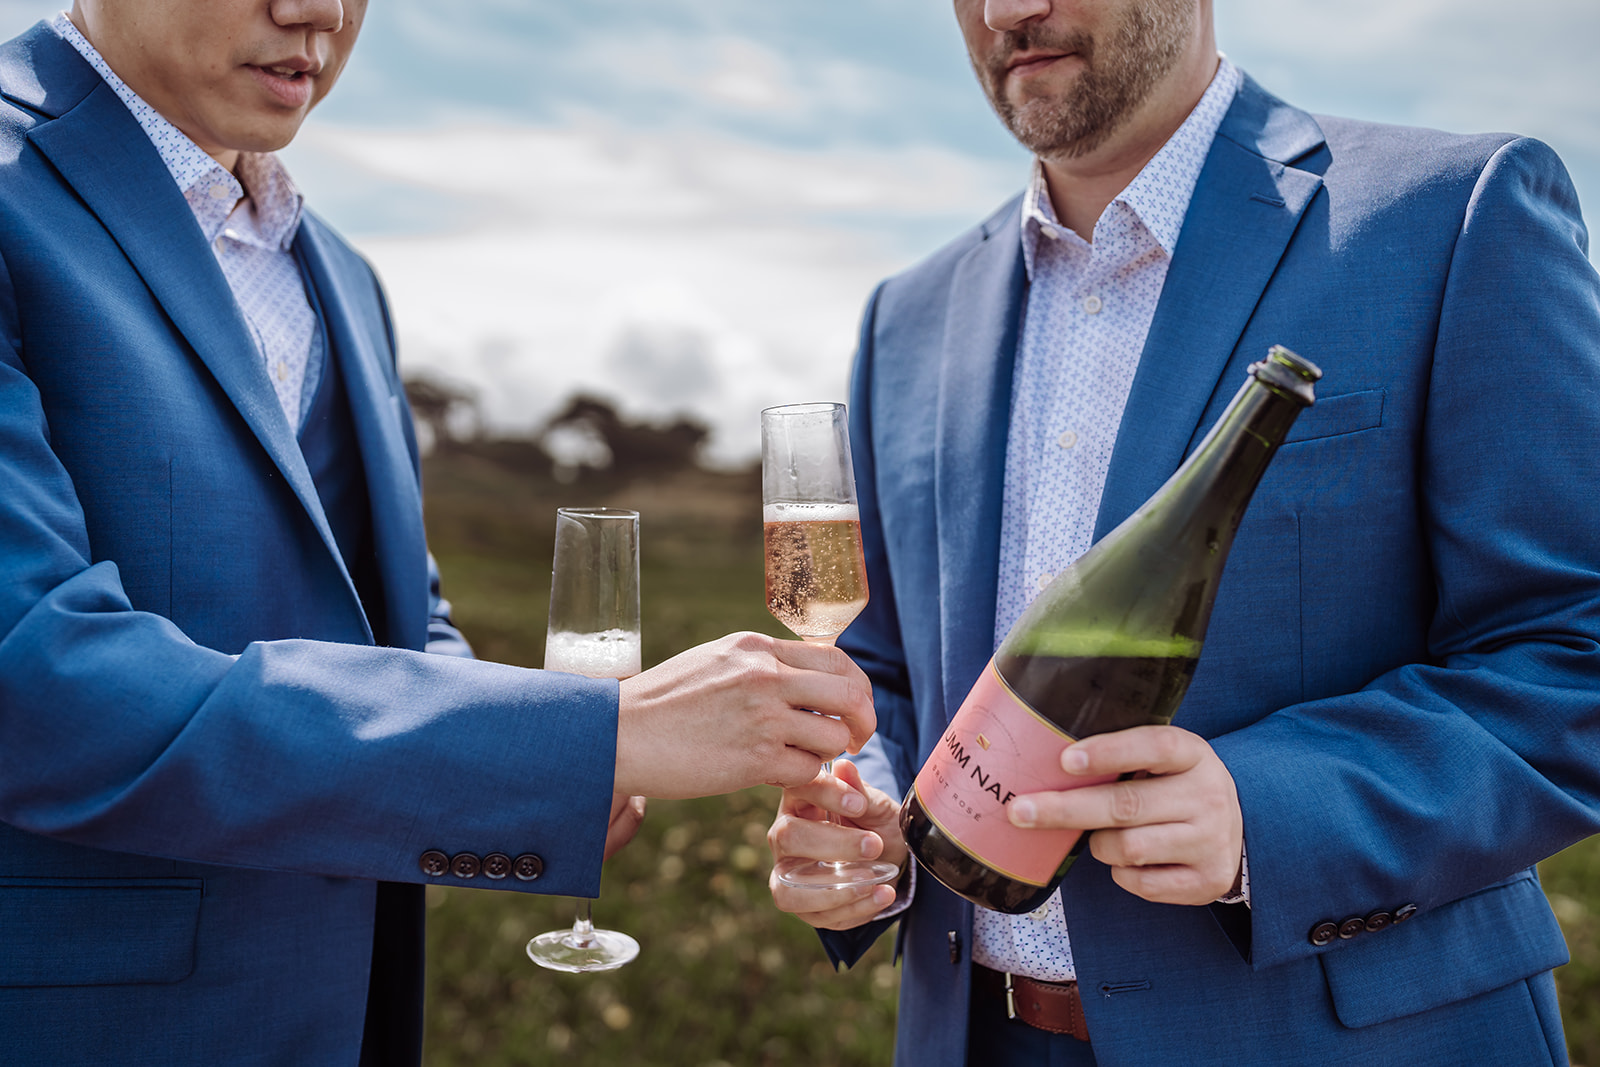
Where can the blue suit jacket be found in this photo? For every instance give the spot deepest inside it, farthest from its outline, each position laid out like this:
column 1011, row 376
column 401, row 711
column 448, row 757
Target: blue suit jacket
column 1402, row 671
column 206, row 766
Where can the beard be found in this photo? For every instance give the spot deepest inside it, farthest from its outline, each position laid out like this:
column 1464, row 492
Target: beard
column 1120, row 71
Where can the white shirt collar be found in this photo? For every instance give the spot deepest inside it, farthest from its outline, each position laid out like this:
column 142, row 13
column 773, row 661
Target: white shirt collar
column 1159, row 194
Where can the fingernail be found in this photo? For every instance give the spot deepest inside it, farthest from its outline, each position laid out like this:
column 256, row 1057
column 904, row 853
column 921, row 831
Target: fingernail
column 883, row 895
column 1075, row 760
column 869, row 847
column 854, row 804
column 1022, row 812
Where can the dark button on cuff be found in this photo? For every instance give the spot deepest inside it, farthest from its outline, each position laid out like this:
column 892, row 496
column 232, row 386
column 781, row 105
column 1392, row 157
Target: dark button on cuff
column 1351, row 927
column 434, row 863
column 496, row 865
column 1378, row 920
column 1324, row 933
column 527, row 867
column 465, row 865
column 1401, row 914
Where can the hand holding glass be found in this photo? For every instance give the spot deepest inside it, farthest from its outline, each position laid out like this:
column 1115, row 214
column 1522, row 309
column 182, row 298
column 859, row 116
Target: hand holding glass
column 594, row 631
column 816, row 576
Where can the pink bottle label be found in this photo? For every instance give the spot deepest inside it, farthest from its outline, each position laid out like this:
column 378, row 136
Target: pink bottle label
column 997, row 748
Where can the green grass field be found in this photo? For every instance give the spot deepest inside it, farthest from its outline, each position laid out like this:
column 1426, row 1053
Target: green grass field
column 723, row 979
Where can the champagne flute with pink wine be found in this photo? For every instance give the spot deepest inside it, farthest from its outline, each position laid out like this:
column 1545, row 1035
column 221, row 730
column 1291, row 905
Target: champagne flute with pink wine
column 594, row 631
column 816, row 575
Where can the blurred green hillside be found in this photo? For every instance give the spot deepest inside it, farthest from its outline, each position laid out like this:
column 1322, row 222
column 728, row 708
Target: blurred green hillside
column 723, row 979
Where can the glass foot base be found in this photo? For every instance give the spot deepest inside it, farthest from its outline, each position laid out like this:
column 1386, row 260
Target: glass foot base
column 822, row 874
column 598, row 950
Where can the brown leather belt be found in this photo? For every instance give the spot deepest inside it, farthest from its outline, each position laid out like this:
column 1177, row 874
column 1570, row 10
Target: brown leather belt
column 1054, row 1007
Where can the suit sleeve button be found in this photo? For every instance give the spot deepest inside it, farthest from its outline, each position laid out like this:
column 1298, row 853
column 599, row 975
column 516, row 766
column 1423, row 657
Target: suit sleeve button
column 1323, row 933
column 1377, row 920
column 465, row 865
column 1404, row 912
column 434, row 863
column 527, row 867
column 496, row 865
column 1351, row 927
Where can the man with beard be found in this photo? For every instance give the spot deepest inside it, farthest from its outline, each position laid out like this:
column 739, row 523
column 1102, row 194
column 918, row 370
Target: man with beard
column 1327, row 857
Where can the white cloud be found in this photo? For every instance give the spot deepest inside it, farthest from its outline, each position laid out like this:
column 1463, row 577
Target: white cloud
column 687, row 273
column 1464, row 65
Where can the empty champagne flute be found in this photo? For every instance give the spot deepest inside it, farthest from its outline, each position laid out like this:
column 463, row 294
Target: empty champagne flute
column 594, row 631
column 816, row 575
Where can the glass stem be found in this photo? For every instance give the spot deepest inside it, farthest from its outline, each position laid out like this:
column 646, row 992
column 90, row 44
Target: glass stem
column 583, row 927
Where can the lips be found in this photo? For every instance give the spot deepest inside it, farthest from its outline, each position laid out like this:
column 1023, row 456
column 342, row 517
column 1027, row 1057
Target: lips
column 1032, row 62
column 289, row 81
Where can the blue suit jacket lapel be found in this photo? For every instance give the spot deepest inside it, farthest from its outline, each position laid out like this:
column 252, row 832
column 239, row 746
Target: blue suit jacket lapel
column 1246, row 206
column 378, row 413
column 980, row 344
column 107, row 159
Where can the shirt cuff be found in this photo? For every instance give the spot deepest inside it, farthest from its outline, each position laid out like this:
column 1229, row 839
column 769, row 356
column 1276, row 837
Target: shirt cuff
column 905, row 888
column 1243, row 895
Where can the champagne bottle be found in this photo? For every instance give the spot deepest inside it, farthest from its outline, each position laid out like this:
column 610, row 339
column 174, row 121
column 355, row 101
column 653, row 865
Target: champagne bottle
column 1111, row 643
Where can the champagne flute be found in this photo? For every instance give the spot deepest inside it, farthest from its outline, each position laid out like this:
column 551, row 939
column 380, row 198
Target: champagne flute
column 816, row 576
column 594, row 631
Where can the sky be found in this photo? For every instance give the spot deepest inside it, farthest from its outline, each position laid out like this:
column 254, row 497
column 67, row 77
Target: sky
column 682, row 205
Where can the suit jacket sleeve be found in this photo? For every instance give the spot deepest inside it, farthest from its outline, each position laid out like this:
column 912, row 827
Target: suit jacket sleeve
column 1445, row 775
column 119, row 731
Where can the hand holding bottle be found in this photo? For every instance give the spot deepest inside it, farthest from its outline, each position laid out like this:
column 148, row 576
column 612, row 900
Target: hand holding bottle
column 1172, row 835
column 867, row 826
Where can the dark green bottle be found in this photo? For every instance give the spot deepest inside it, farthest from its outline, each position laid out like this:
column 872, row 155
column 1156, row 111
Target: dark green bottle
column 1111, row 643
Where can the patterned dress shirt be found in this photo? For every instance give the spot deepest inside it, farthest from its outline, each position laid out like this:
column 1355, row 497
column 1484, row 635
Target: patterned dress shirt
column 1088, row 312
column 250, row 221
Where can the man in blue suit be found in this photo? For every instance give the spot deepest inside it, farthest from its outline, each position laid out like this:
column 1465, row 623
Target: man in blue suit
column 228, row 762
column 1397, row 710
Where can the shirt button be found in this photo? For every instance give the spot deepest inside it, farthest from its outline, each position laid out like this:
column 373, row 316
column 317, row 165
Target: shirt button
column 220, row 245
column 1045, row 579
column 1050, row 232
column 1092, row 304
column 283, row 371
column 1067, row 439
column 219, row 192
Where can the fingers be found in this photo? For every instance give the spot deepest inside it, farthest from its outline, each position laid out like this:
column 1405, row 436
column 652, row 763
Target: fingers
column 832, row 909
column 627, row 815
column 1132, row 802
column 1155, row 749
column 736, row 712
column 835, row 793
column 792, row 836
column 1167, row 885
column 1173, row 834
column 824, row 680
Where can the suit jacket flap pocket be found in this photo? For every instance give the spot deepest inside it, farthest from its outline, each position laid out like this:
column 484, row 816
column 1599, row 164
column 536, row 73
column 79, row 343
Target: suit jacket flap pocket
column 1331, row 416
column 97, row 931
column 1504, row 934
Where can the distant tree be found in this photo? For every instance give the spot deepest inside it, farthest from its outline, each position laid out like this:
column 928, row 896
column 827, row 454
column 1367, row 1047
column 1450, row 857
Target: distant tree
column 634, row 446
column 442, row 408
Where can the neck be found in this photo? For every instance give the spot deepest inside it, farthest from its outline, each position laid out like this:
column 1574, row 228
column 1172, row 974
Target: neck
column 1082, row 186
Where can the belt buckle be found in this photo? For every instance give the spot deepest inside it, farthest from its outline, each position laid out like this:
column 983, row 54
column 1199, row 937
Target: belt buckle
column 1011, row 998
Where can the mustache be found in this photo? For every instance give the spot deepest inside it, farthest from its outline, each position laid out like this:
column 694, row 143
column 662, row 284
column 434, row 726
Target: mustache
column 1032, row 38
